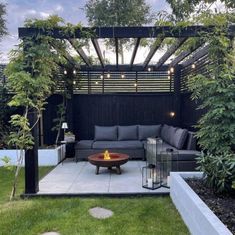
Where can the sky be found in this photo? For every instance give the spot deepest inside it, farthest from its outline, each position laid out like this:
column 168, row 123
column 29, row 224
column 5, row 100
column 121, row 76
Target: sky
column 70, row 10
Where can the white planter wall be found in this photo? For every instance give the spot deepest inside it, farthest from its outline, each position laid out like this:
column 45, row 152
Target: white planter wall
column 46, row 157
column 196, row 214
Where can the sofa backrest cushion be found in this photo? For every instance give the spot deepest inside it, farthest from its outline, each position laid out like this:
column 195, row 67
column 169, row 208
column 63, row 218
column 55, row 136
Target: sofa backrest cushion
column 179, row 138
column 165, row 133
column 146, row 131
column 105, row 133
column 127, row 132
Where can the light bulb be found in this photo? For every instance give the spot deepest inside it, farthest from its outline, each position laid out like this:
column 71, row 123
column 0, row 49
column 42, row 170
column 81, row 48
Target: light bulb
column 96, row 83
column 74, row 82
column 108, row 75
column 101, row 76
column 135, row 85
column 149, row 69
column 122, row 75
column 172, row 69
column 172, row 114
column 74, row 71
column 65, row 72
column 193, row 66
column 168, row 72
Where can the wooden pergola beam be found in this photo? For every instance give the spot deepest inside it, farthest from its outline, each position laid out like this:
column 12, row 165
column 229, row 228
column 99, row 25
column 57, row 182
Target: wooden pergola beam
column 152, row 51
column 66, row 55
column 199, row 54
column 170, row 52
column 98, row 51
column 80, row 51
column 135, row 51
column 125, row 32
column 183, row 55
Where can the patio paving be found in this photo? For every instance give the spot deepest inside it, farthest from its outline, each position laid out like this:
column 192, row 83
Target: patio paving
column 79, row 178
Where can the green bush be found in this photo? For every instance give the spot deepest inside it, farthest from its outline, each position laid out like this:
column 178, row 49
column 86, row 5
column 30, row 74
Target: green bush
column 219, row 171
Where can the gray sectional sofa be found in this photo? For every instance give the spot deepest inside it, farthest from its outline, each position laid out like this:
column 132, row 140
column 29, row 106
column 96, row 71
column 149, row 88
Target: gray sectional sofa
column 132, row 141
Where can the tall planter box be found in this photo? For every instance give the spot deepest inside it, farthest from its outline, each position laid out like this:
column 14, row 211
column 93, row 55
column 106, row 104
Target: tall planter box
column 196, row 214
column 46, row 157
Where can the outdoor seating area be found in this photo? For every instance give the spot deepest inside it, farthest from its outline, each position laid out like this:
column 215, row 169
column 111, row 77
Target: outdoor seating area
column 121, row 124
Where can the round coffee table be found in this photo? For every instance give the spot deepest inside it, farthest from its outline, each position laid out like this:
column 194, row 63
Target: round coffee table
column 116, row 160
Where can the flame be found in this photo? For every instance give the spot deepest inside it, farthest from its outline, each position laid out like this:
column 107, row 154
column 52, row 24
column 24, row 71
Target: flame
column 107, row 155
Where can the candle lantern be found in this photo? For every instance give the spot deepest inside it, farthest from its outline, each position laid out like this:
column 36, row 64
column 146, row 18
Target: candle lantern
column 151, row 177
column 168, row 162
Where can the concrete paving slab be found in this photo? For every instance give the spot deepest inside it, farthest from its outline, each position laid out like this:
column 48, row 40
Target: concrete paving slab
column 80, row 178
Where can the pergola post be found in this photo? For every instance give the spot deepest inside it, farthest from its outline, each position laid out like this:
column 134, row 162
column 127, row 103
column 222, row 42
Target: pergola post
column 31, row 158
column 69, row 100
column 177, row 97
column 31, row 155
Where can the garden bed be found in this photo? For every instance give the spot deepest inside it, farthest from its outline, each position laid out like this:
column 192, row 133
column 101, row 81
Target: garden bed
column 222, row 205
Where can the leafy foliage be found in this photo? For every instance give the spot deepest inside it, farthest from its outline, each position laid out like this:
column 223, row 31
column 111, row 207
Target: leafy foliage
column 219, row 170
column 3, row 29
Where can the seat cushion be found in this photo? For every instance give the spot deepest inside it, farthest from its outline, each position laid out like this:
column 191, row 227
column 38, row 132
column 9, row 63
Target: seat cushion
column 128, row 132
column 84, row 144
column 179, row 138
column 146, row 131
column 130, row 144
column 105, row 133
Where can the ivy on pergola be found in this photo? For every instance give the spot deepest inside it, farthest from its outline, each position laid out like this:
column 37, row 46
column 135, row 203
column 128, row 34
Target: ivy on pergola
column 182, row 34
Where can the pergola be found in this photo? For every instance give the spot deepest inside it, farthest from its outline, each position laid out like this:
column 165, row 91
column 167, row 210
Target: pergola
column 180, row 62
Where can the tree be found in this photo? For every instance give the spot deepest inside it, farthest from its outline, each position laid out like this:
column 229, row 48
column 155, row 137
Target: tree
column 118, row 13
column 3, row 29
column 183, row 9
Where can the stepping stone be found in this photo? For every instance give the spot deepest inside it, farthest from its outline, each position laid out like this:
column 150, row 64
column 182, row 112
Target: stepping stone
column 50, row 233
column 100, row 213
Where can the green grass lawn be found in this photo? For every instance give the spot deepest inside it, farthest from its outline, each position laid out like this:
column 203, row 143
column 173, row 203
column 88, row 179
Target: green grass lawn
column 69, row 216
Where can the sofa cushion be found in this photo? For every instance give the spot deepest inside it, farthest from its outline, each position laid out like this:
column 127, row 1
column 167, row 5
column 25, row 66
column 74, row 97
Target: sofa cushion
column 165, row 132
column 84, row 144
column 105, row 133
column 146, row 131
column 171, row 135
column 127, row 132
column 130, row 144
column 179, row 138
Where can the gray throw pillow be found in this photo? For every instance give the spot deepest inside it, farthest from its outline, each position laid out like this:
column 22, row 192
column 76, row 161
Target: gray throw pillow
column 127, row 133
column 146, row 131
column 180, row 138
column 105, row 133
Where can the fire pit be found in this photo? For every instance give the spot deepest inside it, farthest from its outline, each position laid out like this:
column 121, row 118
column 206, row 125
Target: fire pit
column 108, row 160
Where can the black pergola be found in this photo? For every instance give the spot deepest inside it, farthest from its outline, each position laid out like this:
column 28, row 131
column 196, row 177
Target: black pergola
column 181, row 61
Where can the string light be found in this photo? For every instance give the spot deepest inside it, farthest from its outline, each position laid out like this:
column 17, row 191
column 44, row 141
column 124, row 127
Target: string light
column 74, row 71
column 101, row 76
column 169, row 77
column 172, row 69
column 168, row 72
column 65, row 71
column 135, row 85
column 74, row 82
column 172, row 114
column 96, row 83
column 108, row 75
column 193, row 66
column 149, row 69
column 122, row 75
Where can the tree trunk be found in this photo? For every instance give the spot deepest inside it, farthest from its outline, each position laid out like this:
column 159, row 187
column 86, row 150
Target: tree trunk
column 17, row 171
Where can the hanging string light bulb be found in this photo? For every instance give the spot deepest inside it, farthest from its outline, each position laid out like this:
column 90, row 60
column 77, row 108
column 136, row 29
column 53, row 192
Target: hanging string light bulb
column 65, row 72
column 122, row 75
column 74, row 71
column 108, row 75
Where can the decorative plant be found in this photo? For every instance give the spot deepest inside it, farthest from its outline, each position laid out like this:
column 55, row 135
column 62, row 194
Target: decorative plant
column 29, row 76
column 216, row 128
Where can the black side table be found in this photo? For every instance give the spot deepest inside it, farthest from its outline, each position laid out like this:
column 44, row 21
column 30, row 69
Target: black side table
column 69, row 148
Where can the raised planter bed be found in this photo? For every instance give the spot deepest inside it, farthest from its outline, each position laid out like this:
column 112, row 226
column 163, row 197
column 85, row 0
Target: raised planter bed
column 196, row 214
column 46, row 157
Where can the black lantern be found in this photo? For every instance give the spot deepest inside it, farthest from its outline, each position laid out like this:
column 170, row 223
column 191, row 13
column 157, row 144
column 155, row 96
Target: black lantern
column 151, row 177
